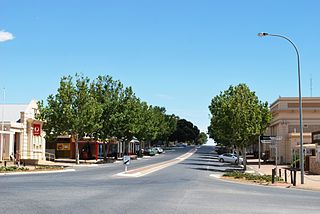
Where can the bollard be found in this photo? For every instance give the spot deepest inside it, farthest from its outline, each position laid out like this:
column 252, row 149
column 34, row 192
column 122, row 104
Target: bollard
column 295, row 178
column 291, row 178
column 279, row 173
column 5, row 163
column 273, row 175
column 285, row 176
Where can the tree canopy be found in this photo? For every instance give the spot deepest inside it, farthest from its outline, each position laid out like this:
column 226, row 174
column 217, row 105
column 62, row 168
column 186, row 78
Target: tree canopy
column 73, row 111
column 103, row 108
column 238, row 117
column 185, row 132
column 202, row 138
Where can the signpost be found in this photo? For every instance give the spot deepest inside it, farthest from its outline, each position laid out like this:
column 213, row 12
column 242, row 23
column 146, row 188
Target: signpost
column 269, row 139
column 263, row 139
column 126, row 162
column 275, row 141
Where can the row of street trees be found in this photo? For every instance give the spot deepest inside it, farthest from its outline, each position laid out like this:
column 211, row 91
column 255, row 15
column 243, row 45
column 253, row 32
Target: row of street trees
column 103, row 109
column 238, row 118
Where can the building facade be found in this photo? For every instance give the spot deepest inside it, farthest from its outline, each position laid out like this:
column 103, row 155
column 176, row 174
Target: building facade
column 64, row 147
column 286, row 126
column 315, row 159
column 21, row 135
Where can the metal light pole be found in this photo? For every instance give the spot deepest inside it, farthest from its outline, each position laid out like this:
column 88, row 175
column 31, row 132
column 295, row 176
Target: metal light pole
column 300, row 102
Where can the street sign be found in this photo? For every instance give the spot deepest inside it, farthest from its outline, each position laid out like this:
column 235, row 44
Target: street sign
column 265, row 141
column 265, row 138
column 270, row 139
column 126, row 160
column 277, row 138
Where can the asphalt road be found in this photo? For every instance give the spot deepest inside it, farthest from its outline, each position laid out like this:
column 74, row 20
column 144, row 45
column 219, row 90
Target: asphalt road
column 186, row 187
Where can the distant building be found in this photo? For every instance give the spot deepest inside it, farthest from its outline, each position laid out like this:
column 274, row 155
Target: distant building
column 285, row 124
column 21, row 135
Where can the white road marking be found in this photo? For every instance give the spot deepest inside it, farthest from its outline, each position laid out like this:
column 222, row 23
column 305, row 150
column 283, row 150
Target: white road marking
column 155, row 167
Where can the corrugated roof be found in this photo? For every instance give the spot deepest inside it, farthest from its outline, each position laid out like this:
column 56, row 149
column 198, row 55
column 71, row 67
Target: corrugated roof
column 11, row 112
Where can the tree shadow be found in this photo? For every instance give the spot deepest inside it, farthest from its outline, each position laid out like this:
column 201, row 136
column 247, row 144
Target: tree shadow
column 202, row 164
column 203, row 160
column 208, row 157
column 218, row 170
column 205, row 153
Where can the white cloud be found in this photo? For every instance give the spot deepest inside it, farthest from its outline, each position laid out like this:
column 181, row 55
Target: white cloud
column 5, row 36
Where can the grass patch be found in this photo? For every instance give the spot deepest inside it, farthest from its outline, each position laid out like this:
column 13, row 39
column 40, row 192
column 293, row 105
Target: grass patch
column 12, row 169
column 251, row 177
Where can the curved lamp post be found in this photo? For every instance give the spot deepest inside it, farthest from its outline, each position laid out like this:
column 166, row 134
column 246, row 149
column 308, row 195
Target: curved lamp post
column 300, row 102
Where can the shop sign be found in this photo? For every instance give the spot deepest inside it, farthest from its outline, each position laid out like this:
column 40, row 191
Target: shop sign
column 36, row 129
column 63, row 146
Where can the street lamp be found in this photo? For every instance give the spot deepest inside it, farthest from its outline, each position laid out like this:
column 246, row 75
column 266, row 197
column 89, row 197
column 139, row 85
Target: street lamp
column 300, row 102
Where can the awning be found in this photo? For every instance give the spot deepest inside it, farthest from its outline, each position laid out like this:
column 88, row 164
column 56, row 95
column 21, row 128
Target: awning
column 307, row 146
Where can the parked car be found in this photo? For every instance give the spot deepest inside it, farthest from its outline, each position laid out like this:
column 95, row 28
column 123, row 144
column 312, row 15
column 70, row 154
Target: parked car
column 230, row 158
column 150, row 152
column 158, row 149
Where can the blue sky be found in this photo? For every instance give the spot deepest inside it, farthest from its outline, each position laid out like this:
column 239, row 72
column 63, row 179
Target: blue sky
column 174, row 53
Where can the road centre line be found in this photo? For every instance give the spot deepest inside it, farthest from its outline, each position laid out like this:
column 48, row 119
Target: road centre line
column 155, row 167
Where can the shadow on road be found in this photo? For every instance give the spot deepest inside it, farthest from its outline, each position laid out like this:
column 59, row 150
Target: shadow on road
column 208, row 157
column 203, row 160
column 205, row 153
column 218, row 170
column 208, row 164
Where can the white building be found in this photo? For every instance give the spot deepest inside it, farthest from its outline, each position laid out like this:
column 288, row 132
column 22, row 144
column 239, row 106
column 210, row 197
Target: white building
column 21, row 135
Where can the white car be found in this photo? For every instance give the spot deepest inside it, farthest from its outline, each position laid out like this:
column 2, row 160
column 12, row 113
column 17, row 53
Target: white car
column 230, row 158
column 159, row 150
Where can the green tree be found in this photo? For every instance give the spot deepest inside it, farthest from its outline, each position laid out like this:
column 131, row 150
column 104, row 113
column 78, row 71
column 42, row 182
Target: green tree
column 185, row 132
column 73, row 110
column 104, row 109
column 202, row 138
column 237, row 117
column 107, row 92
column 125, row 121
column 171, row 121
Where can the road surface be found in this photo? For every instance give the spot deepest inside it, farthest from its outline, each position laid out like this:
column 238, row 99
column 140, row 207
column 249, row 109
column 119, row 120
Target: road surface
column 185, row 187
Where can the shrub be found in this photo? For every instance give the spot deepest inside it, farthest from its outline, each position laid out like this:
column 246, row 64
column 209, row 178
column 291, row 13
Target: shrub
column 44, row 167
column 251, row 177
column 12, row 169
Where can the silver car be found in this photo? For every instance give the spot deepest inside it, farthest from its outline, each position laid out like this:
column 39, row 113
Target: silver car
column 159, row 150
column 230, row 158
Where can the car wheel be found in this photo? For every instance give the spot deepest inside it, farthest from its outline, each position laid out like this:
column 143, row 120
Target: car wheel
column 221, row 160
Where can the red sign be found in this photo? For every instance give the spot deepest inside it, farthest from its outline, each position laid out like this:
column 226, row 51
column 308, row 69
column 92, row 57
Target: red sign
column 36, row 129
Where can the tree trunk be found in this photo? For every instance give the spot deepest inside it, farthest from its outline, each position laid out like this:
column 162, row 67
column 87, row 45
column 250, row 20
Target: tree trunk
column 244, row 158
column 238, row 155
column 77, row 150
column 108, row 149
column 123, row 147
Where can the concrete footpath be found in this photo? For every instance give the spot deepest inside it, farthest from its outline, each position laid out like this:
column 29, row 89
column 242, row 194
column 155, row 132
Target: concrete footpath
column 311, row 182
